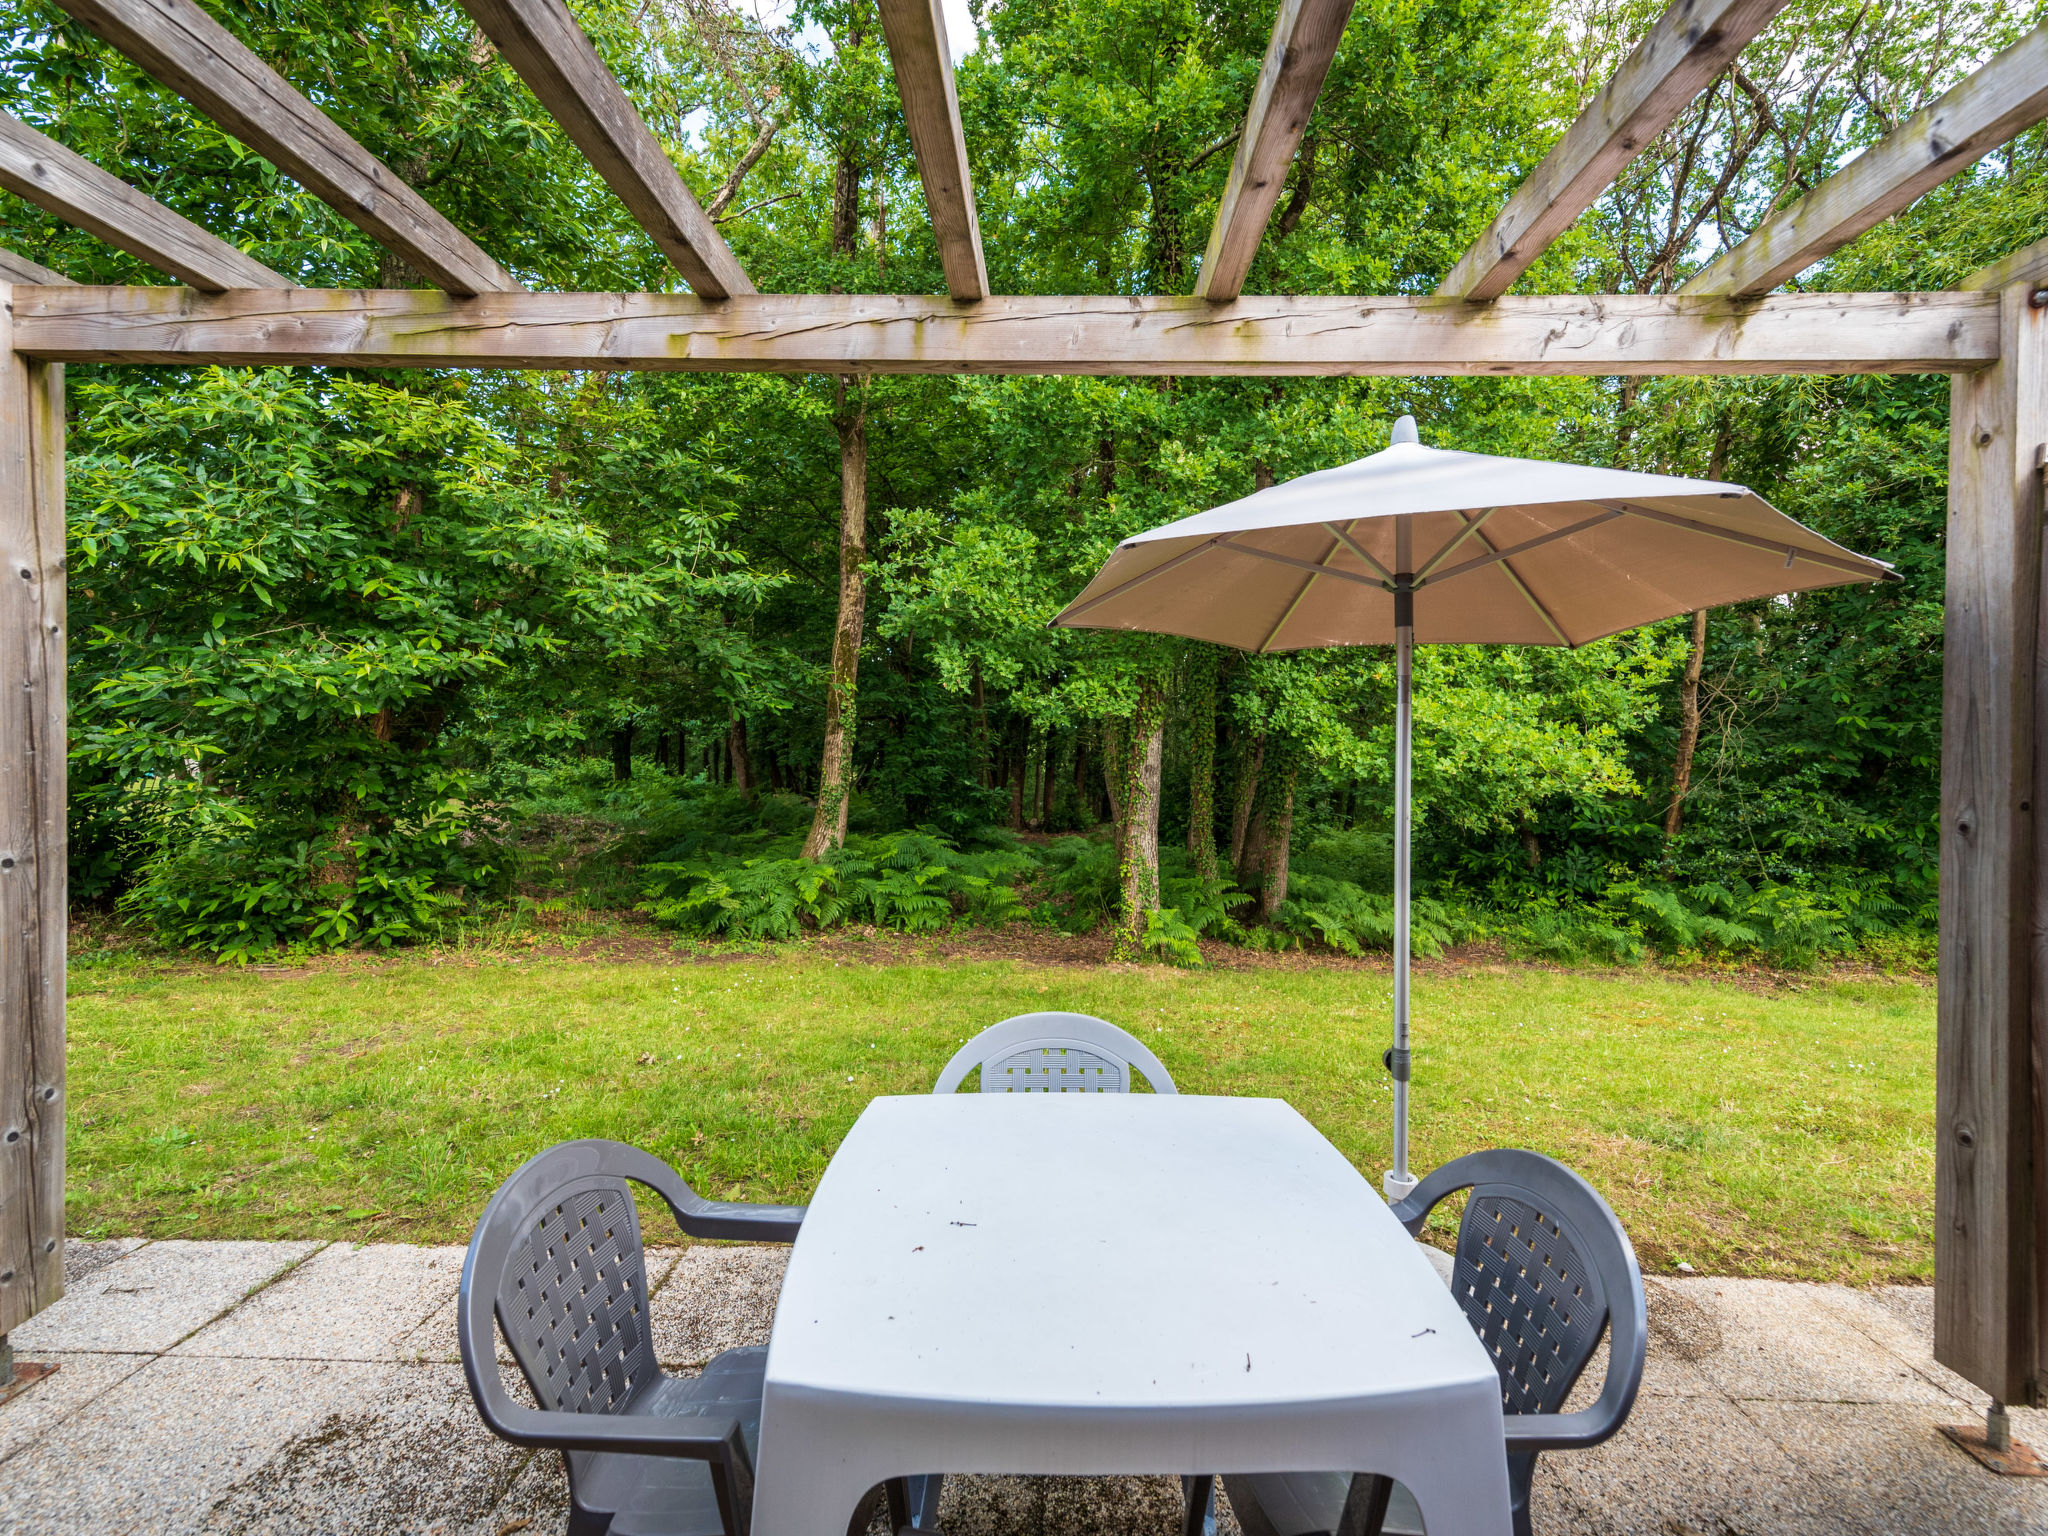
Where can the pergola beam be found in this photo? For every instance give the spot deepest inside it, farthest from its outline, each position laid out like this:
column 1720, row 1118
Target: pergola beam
column 916, row 33
column 904, row 333
column 2006, row 96
column 1687, row 47
column 59, row 181
column 184, row 48
column 1304, row 42
column 555, row 57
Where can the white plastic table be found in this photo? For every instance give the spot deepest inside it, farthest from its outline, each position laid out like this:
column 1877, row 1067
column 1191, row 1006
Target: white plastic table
column 1113, row 1283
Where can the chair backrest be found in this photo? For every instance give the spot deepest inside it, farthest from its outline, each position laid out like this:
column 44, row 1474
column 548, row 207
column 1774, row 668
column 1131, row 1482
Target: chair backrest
column 571, row 1288
column 1054, row 1053
column 1540, row 1259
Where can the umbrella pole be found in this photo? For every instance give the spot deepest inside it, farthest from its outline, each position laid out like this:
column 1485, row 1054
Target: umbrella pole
column 1399, row 1181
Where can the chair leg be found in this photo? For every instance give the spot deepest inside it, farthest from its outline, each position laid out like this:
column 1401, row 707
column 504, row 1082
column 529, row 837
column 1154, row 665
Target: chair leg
column 1365, row 1506
column 914, row 1501
column 1198, row 1506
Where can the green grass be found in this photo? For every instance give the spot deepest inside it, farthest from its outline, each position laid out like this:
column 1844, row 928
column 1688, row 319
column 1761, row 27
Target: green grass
column 1784, row 1132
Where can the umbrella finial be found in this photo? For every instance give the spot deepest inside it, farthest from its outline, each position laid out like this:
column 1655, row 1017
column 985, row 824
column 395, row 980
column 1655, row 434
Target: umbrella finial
column 1404, row 431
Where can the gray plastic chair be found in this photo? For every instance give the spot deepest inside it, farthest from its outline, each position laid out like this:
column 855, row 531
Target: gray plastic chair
column 1543, row 1268
column 1055, row 1053
column 557, row 1258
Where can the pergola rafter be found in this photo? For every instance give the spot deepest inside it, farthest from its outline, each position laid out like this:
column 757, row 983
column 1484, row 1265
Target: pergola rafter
column 2005, row 97
column 916, row 33
column 1991, row 336
column 182, row 47
column 1304, row 43
column 555, row 57
column 1688, row 46
column 37, row 167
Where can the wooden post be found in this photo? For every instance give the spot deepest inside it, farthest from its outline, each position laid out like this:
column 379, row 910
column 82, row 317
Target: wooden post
column 1994, row 892
column 32, row 852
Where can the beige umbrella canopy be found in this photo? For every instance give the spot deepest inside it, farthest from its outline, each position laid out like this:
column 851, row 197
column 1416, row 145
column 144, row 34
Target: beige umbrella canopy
column 1499, row 551
column 1418, row 543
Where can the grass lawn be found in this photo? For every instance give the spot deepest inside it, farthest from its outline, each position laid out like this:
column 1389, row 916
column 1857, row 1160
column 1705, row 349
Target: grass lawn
column 1779, row 1132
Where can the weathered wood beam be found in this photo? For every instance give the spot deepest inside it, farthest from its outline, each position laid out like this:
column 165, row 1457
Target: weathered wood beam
column 2027, row 265
column 2007, row 95
column 903, row 333
column 19, row 269
column 32, row 850
column 1305, row 38
column 37, row 167
column 184, row 48
column 560, row 65
column 1679, row 57
column 916, row 33
column 1987, row 1290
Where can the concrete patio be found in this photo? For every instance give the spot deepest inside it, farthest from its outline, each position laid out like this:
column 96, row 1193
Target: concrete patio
column 300, row 1387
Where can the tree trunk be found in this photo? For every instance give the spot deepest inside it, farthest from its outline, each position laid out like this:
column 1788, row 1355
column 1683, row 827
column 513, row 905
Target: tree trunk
column 1202, row 763
column 1688, row 724
column 1046, row 757
column 981, row 760
column 1112, row 761
column 1278, row 823
column 1084, row 800
column 1013, row 772
column 1247, row 792
column 835, row 763
column 622, row 754
column 1138, row 833
column 742, row 766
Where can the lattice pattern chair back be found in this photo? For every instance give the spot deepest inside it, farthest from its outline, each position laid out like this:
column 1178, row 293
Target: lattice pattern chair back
column 573, row 1300
column 1532, row 1298
column 1055, row 1053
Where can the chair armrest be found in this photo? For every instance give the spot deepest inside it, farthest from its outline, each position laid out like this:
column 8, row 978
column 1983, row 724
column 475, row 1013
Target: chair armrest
column 1560, row 1431
column 731, row 1220
column 718, row 1441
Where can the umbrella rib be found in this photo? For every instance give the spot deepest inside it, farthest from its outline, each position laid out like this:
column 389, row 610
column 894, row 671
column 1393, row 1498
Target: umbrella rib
column 1790, row 551
column 1124, row 586
column 1318, row 569
column 1522, row 587
column 1527, row 544
column 1358, row 549
column 1306, row 565
column 1456, row 539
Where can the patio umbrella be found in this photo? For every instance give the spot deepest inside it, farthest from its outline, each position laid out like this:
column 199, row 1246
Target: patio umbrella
column 1422, row 544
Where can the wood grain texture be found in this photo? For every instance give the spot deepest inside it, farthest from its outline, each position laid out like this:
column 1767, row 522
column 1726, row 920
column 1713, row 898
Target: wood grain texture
column 916, row 33
column 184, row 48
column 2028, row 265
column 2008, row 94
column 1677, row 59
column 37, row 167
column 19, row 269
column 555, row 57
column 32, row 846
column 1305, row 38
column 1991, row 903
column 895, row 333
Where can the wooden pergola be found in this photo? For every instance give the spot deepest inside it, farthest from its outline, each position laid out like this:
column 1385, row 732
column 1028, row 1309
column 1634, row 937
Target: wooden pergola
column 1991, row 337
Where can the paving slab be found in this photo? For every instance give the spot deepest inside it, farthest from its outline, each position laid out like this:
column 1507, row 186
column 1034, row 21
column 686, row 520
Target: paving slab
column 157, row 1450
column 149, row 1299
column 344, row 1303
column 1880, row 1468
column 1061, row 1506
column 82, row 1258
column 409, row 1457
column 1782, row 1342
column 716, row 1298
column 1677, row 1467
column 78, row 1380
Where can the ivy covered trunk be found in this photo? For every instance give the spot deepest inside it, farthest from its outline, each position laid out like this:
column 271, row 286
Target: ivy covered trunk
column 1201, row 701
column 1137, row 841
column 835, row 763
column 1251, row 758
column 742, row 765
column 1277, row 822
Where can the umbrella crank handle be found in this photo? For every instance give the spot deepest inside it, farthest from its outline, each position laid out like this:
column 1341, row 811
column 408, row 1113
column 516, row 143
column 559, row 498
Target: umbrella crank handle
column 1395, row 1059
